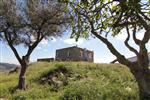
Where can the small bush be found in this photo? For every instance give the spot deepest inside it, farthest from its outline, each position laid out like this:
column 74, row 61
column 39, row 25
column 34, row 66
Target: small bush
column 82, row 91
column 93, row 90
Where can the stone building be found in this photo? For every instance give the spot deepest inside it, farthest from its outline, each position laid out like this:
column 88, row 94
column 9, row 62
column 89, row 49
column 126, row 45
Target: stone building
column 74, row 54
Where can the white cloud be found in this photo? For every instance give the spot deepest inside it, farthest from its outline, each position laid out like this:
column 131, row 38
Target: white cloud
column 45, row 50
column 44, row 42
column 73, row 41
column 33, row 38
column 39, row 47
column 104, row 60
column 140, row 34
column 61, row 39
column 97, row 60
column 123, row 35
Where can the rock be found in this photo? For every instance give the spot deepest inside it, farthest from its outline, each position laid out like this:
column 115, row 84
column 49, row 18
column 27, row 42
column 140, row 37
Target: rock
column 15, row 70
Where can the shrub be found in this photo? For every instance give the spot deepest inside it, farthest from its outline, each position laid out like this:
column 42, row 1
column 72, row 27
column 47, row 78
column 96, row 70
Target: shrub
column 82, row 91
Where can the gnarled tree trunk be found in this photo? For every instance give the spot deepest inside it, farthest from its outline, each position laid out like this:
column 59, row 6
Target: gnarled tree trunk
column 24, row 65
column 142, row 77
column 21, row 83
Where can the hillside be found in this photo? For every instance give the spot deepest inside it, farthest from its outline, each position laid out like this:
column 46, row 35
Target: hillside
column 71, row 81
column 7, row 66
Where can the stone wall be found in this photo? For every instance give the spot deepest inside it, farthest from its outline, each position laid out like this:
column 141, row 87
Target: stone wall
column 74, row 54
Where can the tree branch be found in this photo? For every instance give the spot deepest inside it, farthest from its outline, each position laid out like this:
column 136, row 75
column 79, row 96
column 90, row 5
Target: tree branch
column 143, row 22
column 124, row 24
column 7, row 35
column 120, row 57
column 146, row 37
column 31, row 48
column 137, row 41
column 145, row 17
column 39, row 38
column 127, row 44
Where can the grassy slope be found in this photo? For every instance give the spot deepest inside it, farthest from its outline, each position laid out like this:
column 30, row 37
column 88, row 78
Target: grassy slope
column 88, row 81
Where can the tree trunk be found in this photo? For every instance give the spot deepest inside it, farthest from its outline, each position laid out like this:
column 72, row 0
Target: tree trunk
column 24, row 65
column 21, row 83
column 142, row 77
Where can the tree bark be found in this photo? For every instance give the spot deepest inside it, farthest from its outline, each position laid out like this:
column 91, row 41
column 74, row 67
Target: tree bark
column 21, row 83
column 24, row 65
column 142, row 77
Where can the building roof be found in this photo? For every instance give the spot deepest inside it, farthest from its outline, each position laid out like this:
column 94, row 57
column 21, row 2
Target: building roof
column 75, row 47
column 135, row 56
column 130, row 58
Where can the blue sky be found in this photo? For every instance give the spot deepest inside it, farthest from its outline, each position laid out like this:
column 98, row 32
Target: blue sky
column 46, row 49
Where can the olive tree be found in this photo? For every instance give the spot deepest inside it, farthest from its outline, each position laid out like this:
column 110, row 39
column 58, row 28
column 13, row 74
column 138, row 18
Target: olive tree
column 101, row 18
column 29, row 22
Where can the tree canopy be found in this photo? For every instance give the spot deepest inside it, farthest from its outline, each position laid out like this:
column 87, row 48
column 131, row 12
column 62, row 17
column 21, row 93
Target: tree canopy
column 30, row 21
column 27, row 22
column 32, row 16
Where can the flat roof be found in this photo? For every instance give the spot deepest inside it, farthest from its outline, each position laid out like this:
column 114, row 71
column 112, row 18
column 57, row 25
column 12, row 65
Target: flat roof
column 136, row 56
column 74, row 47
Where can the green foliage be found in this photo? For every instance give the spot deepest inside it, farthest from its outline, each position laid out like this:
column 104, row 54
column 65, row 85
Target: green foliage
column 91, row 90
column 64, row 1
column 87, row 81
column 108, row 16
column 82, row 91
column 35, row 21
